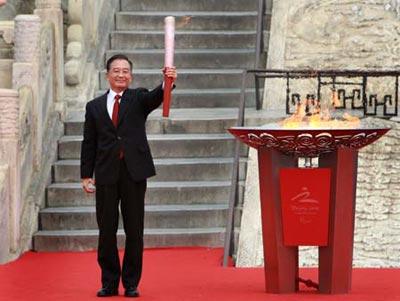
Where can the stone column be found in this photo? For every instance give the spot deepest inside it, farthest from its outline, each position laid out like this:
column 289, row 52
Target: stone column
column 26, row 69
column 9, row 153
column 27, row 30
column 50, row 10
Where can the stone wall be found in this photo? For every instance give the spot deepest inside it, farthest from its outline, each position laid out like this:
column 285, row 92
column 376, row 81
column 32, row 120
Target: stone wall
column 343, row 34
column 250, row 250
column 330, row 34
column 377, row 226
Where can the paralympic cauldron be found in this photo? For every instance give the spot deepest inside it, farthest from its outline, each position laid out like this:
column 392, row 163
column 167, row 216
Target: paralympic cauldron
column 311, row 205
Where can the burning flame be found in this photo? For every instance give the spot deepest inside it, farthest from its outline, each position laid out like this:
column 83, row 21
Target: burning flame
column 335, row 99
column 311, row 115
column 183, row 21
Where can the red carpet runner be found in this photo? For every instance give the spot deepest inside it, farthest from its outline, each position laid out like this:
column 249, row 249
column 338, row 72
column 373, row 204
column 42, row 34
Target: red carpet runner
column 171, row 275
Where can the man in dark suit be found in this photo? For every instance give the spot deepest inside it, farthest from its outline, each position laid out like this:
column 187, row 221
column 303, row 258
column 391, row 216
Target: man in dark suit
column 116, row 150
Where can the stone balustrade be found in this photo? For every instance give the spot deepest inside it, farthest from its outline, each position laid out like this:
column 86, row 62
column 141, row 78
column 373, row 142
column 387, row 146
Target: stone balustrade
column 30, row 123
column 10, row 156
column 26, row 68
column 50, row 11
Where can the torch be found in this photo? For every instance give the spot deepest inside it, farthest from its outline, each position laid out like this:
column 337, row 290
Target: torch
column 169, row 25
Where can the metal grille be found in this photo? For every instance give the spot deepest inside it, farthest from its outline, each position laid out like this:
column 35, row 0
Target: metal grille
column 375, row 93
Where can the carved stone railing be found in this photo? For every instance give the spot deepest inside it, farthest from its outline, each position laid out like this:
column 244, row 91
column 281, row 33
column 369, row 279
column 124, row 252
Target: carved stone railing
column 30, row 124
column 10, row 180
column 89, row 24
column 50, row 11
column 26, row 137
column 26, row 69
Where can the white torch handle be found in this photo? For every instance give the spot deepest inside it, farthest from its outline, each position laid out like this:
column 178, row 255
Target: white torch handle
column 169, row 41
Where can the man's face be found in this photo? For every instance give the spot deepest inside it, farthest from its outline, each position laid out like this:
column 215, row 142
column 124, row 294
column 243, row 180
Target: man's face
column 119, row 76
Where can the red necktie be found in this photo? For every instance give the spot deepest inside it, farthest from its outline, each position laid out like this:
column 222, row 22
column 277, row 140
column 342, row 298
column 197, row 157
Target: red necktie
column 115, row 110
column 115, row 117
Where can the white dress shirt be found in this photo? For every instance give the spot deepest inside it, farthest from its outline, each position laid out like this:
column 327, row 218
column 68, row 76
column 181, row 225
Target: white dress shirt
column 110, row 101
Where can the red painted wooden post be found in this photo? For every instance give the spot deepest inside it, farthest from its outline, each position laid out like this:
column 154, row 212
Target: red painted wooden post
column 280, row 261
column 335, row 260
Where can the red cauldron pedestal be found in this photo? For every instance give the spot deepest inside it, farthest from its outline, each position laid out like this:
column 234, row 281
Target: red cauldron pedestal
column 307, row 206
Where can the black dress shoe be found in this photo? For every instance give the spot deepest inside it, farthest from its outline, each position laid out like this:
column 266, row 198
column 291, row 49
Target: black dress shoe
column 107, row 292
column 131, row 292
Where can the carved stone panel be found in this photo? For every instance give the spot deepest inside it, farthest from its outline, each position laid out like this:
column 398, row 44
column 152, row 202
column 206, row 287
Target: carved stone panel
column 46, row 70
column 9, row 112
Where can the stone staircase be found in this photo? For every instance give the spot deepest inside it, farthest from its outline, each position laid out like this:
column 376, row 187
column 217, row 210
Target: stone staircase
column 187, row 202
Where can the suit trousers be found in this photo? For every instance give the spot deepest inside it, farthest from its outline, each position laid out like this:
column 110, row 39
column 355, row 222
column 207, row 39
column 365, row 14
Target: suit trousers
column 129, row 195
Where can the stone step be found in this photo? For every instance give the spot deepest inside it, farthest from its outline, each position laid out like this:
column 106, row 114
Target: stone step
column 168, row 146
column 193, row 20
column 155, row 126
column 156, row 216
column 191, row 58
column 85, row 240
column 176, row 169
column 189, row 5
column 139, row 39
column 188, row 120
column 158, row 193
column 187, row 79
column 207, row 98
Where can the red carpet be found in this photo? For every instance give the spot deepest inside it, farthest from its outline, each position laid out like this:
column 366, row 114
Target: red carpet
column 171, row 275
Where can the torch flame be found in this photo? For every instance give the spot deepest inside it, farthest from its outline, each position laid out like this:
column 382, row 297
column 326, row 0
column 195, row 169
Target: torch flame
column 319, row 118
column 183, row 21
column 335, row 99
column 297, row 117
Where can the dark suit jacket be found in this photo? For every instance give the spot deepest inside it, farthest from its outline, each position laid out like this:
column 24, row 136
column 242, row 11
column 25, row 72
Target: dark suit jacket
column 102, row 142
